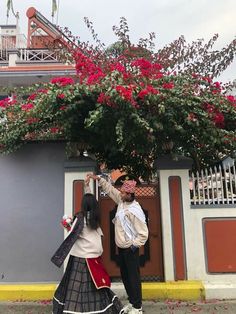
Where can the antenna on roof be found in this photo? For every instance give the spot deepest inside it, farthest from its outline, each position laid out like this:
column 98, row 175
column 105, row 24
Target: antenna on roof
column 58, row 8
column 10, row 8
column 54, row 8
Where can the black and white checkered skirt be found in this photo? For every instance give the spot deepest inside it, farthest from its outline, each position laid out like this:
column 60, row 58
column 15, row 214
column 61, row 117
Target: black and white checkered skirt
column 77, row 294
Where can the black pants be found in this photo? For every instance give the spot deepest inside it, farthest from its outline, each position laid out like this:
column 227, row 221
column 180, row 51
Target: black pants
column 130, row 275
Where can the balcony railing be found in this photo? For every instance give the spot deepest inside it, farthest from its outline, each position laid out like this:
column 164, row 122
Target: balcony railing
column 214, row 186
column 38, row 55
column 4, row 57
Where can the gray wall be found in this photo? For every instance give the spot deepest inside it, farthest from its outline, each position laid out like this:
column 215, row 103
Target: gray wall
column 31, row 206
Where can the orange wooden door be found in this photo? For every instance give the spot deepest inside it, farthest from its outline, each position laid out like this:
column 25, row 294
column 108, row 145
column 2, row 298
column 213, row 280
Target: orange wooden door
column 151, row 259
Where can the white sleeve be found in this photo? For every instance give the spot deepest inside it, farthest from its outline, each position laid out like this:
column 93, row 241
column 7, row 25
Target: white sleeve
column 112, row 192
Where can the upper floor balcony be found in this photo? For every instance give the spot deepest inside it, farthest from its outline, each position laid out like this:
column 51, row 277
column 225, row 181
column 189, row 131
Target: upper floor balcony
column 20, row 65
column 13, row 52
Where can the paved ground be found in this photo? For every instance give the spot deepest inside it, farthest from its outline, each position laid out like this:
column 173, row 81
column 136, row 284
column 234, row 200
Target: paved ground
column 149, row 307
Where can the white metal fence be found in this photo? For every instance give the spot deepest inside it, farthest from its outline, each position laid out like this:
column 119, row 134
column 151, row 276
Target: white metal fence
column 32, row 55
column 214, row 186
column 38, row 55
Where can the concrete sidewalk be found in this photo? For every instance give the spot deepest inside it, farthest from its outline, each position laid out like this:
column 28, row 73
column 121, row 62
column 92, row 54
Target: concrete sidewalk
column 184, row 297
column 149, row 307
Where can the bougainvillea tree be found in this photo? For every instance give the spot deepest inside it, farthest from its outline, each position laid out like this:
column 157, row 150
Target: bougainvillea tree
column 129, row 101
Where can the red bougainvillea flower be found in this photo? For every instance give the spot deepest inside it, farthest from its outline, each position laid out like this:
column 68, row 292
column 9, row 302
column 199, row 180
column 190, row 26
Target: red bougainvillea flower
column 4, row 103
column 105, row 100
column 219, row 119
column 216, row 88
column 27, row 107
column 143, row 93
column 148, row 90
column 158, row 75
column 169, row 85
column 102, row 98
column 157, row 66
column 209, row 108
column 125, row 92
column 217, row 85
column 63, row 81
column 144, row 65
column 8, row 101
column 216, row 116
column 43, row 91
column 95, row 78
column 61, row 96
column 127, row 76
column 231, row 99
column 207, row 79
column 147, row 68
column 32, row 120
column 54, row 130
column 117, row 67
column 32, row 96
column 87, row 69
column 12, row 102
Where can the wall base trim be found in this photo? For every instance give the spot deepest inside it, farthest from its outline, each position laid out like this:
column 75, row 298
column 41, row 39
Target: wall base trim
column 220, row 290
column 172, row 290
column 29, row 292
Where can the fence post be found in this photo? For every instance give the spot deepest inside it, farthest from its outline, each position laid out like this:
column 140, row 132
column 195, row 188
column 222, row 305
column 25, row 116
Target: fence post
column 173, row 172
column 13, row 56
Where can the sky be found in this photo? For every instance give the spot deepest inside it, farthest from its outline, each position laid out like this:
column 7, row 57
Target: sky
column 169, row 19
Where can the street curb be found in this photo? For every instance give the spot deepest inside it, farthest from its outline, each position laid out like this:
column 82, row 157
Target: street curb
column 174, row 290
column 28, row 292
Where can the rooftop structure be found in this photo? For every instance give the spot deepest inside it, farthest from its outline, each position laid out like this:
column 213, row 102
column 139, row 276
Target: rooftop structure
column 27, row 59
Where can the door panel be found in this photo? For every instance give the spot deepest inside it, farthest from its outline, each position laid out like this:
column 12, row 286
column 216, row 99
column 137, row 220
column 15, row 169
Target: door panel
column 151, row 264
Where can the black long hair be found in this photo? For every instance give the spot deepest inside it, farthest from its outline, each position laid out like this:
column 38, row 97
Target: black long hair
column 90, row 210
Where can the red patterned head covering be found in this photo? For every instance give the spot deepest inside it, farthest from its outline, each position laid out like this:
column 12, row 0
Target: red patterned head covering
column 128, row 186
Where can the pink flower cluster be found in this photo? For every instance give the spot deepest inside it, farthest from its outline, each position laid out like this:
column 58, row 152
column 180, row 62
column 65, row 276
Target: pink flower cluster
column 4, row 103
column 216, row 116
column 147, row 68
column 232, row 100
column 63, row 81
column 66, row 222
column 87, row 69
column 27, row 107
column 148, row 90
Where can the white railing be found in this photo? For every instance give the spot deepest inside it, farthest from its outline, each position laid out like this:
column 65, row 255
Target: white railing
column 38, row 55
column 3, row 55
column 8, row 43
column 32, row 55
column 214, row 186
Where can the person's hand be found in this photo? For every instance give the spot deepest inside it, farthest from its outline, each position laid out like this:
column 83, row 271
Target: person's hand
column 93, row 176
column 133, row 248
